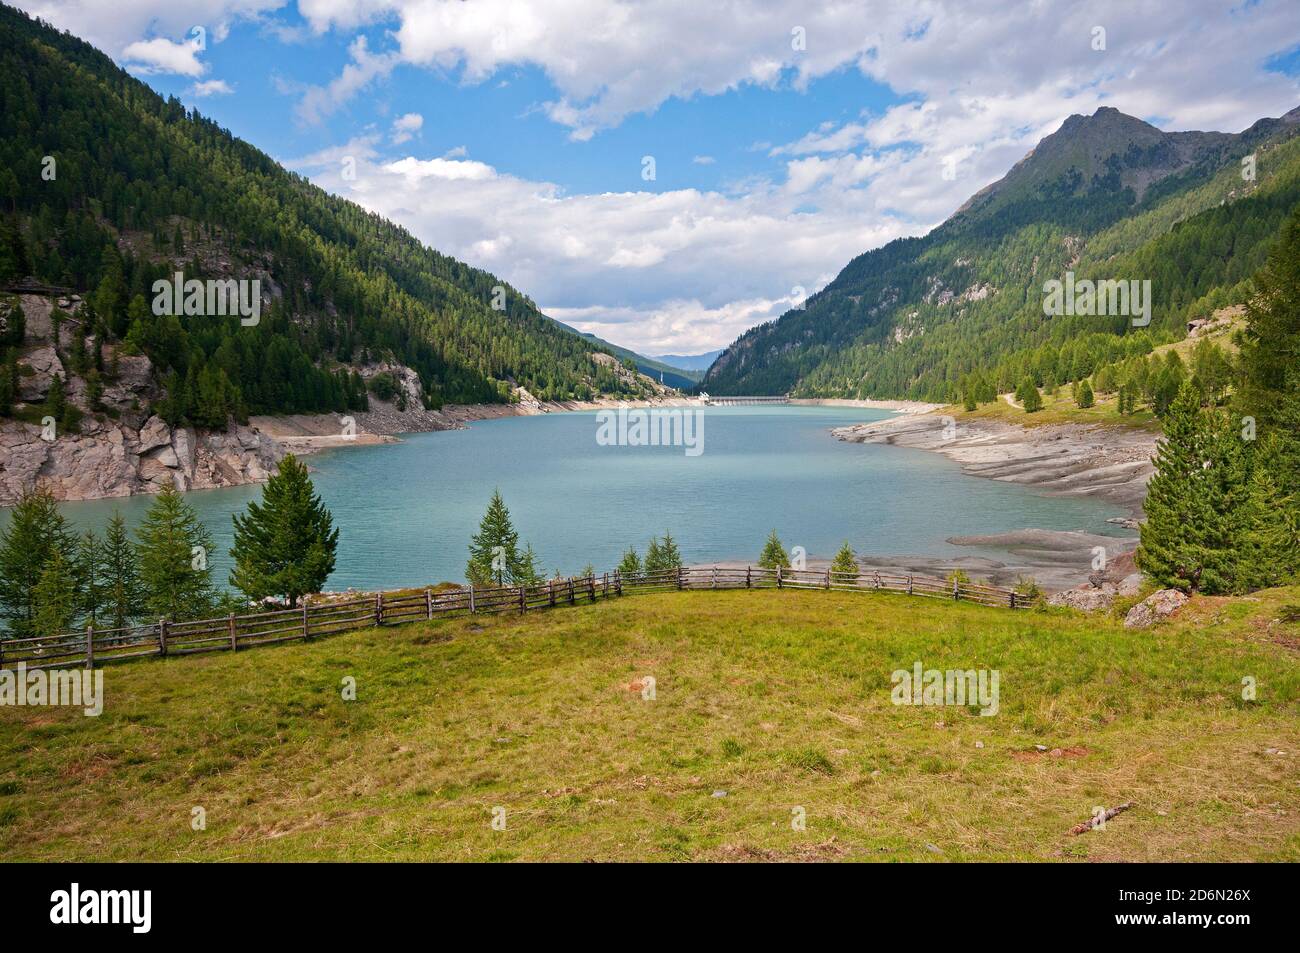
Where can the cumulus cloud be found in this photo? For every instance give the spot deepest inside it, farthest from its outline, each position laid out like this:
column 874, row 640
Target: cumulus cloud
column 405, row 127
column 211, row 87
column 161, row 55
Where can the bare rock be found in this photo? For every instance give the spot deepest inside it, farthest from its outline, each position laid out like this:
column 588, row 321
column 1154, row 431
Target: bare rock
column 154, row 434
column 1157, row 606
column 1085, row 598
column 1131, row 584
column 46, row 364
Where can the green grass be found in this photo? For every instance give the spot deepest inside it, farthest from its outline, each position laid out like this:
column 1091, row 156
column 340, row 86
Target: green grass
column 764, row 703
column 1060, row 408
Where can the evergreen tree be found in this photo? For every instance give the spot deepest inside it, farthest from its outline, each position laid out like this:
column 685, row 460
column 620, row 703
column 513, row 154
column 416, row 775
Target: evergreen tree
column 527, row 572
column 494, row 549
column 123, row 597
column 284, row 546
column 89, row 570
column 669, row 557
column 1270, row 345
column 630, row 564
column 1028, row 396
column 774, row 554
column 1192, row 501
column 36, row 533
column 1270, row 543
column 1083, row 395
column 654, row 557
column 173, row 547
column 55, row 597
column 845, row 564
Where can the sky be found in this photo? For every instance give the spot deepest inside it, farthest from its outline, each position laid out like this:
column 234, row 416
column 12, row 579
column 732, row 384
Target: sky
column 669, row 174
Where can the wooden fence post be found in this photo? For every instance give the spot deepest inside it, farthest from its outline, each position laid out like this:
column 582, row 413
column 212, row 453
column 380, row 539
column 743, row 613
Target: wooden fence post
column 90, row 646
column 778, row 577
column 680, row 572
column 956, row 592
column 471, row 597
column 828, row 579
column 162, row 636
column 550, row 592
column 306, row 633
column 747, row 579
column 1012, row 598
column 379, row 608
column 428, row 603
column 605, row 588
column 234, row 641
column 909, row 584
column 618, row 582
column 572, row 597
column 523, row 599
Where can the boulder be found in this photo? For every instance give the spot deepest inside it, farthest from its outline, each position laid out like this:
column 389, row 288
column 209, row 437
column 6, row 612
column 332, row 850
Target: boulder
column 1085, row 598
column 155, row 433
column 1157, row 606
column 1131, row 584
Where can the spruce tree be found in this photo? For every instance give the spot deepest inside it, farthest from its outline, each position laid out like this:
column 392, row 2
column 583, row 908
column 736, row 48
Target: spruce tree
column 36, row 533
column 774, row 554
column 630, row 564
column 1192, row 499
column 654, row 556
column 123, row 597
column 1270, row 345
column 669, row 556
column 845, row 564
column 1270, row 539
column 1083, row 395
column 494, row 549
column 55, row 597
column 1028, row 396
column 173, row 548
column 284, row 546
column 89, row 569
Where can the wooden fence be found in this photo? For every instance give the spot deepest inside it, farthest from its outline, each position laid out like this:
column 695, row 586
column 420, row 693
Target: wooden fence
column 245, row 630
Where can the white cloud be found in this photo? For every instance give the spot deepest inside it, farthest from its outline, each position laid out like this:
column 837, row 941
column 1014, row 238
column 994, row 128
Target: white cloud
column 211, row 87
column 680, row 268
column 161, row 55
column 405, row 127
column 366, row 67
column 704, row 160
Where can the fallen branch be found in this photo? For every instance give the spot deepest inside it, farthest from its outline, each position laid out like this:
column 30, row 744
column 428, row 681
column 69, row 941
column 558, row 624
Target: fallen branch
column 1098, row 819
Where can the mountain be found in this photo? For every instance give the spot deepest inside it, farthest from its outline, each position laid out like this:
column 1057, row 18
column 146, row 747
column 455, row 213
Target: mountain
column 690, row 362
column 1106, row 196
column 107, row 187
column 655, row 368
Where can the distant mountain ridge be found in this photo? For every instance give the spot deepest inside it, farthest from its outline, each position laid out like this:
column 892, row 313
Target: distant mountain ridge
column 1106, row 195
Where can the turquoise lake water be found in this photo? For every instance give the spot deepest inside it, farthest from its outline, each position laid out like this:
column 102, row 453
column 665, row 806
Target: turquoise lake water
column 406, row 511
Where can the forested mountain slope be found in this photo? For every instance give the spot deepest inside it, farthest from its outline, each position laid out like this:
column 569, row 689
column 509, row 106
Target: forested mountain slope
column 105, row 187
column 1106, row 196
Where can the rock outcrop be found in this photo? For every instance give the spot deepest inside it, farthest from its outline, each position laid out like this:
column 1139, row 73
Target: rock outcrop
column 1157, row 606
column 113, row 458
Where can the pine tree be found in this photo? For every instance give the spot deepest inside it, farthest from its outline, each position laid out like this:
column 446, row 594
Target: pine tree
column 1028, row 396
column 123, row 597
column 669, row 556
column 654, row 557
column 845, row 564
column 173, row 548
column 494, row 549
column 1270, row 540
column 630, row 564
column 35, row 534
column 1192, row 501
column 284, row 546
column 527, row 572
column 1270, row 346
column 1083, row 394
column 774, row 554
column 89, row 570
column 55, row 597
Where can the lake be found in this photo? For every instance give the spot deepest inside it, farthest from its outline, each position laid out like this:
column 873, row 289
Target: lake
column 406, row 511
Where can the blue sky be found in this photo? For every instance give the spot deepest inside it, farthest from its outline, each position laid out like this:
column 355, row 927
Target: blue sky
column 786, row 137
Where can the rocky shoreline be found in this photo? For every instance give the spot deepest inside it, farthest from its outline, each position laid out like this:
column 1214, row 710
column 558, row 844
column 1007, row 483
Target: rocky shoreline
column 1109, row 463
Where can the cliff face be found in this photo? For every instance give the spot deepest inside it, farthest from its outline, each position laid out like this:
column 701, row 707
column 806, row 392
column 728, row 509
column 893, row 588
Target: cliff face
column 109, row 459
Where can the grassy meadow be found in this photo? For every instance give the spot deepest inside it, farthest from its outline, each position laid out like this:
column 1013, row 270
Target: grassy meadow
column 766, row 704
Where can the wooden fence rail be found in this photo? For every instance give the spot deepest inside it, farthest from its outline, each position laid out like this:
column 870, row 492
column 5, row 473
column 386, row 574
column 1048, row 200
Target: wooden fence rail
column 234, row 632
